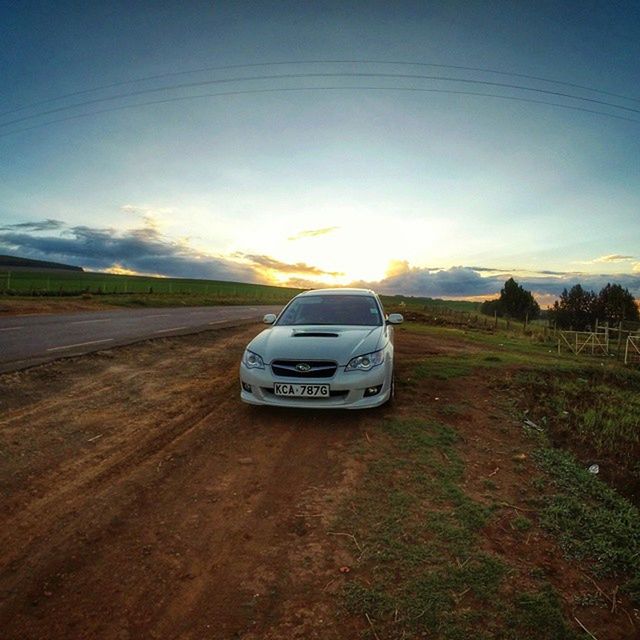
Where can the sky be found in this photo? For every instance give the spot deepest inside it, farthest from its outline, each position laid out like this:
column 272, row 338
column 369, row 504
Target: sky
column 362, row 160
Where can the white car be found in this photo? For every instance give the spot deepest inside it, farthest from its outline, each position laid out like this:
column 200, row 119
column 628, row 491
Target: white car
column 328, row 348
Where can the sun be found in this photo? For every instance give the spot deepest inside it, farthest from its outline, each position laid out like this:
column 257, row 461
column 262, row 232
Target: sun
column 362, row 250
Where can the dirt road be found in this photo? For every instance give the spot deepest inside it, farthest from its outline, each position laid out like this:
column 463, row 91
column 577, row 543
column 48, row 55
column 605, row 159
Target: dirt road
column 141, row 499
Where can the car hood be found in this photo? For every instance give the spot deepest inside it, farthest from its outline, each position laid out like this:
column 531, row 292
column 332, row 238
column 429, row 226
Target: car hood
column 313, row 342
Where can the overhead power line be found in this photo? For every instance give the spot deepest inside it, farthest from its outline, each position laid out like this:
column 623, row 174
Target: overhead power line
column 312, row 62
column 326, row 88
column 296, row 76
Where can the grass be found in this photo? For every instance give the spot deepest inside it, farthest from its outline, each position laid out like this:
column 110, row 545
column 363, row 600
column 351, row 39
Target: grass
column 430, row 305
column 486, row 351
column 591, row 407
column 422, row 569
column 597, row 408
column 590, row 519
column 133, row 290
column 592, row 412
column 538, row 615
column 139, row 290
column 521, row 523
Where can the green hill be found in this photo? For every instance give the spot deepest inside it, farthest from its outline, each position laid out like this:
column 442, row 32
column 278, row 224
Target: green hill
column 7, row 262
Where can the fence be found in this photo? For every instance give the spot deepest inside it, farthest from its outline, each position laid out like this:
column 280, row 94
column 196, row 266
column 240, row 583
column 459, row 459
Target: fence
column 440, row 314
column 590, row 342
column 623, row 344
column 632, row 350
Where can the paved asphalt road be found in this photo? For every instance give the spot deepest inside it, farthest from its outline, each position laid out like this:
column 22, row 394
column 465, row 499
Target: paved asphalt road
column 32, row 339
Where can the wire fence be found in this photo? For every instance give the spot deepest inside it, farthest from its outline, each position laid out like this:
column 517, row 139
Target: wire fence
column 621, row 343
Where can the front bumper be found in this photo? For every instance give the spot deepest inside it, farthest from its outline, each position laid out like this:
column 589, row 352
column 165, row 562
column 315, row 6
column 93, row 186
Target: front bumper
column 347, row 388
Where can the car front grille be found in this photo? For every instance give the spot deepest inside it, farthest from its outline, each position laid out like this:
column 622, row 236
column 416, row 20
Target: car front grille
column 296, row 369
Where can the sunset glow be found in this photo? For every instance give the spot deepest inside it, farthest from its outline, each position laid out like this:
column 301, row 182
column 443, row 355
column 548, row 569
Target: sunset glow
column 436, row 176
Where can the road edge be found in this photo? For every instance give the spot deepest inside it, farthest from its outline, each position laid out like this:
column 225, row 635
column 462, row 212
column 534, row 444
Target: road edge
column 30, row 363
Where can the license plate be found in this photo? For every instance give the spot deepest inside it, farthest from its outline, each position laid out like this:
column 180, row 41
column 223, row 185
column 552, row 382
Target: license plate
column 302, row 390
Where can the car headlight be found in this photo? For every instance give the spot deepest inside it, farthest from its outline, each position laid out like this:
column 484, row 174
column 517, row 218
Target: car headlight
column 366, row 362
column 252, row 360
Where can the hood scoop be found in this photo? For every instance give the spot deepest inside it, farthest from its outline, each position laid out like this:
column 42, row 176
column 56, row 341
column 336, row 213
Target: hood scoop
column 314, row 334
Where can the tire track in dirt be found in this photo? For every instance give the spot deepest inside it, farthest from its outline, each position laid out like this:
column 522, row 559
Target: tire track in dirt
column 50, row 525
column 193, row 516
column 169, row 532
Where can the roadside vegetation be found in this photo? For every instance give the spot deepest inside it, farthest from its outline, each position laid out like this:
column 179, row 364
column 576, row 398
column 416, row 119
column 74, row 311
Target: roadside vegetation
column 514, row 302
column 590, row 519
column 582, row 310
column 131, row 290
column 65, row 288
column 448, row 544
column 422, row 554
column 593, row 412
column 576, row 308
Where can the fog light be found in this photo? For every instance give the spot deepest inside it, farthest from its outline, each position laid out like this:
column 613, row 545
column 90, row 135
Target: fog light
column 372, row 391
column 246, row 387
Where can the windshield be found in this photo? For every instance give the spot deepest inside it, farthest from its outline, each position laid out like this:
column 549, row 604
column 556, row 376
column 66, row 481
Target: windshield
column 332, row 309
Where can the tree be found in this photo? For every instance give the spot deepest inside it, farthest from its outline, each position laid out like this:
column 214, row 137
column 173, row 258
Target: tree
column 575, row 309
column 514, row 302
column 490, row 307
column 579, row 309
column 615, row 304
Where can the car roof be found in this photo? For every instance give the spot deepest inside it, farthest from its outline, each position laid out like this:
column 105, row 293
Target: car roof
column 339, row 292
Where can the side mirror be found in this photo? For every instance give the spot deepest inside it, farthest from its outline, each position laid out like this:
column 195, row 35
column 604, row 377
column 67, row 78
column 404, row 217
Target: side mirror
column 270, row 318
column 395, row 318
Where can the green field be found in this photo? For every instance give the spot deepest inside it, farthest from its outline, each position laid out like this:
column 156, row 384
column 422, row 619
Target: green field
column 72, row 283
column 131, row 290
column 430, row 304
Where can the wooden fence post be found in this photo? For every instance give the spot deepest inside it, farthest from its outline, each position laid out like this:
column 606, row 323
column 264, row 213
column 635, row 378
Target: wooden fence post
column 626, row 350
column 619, row 340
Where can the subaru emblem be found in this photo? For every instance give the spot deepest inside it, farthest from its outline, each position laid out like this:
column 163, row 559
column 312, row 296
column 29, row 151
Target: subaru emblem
column 303, row 367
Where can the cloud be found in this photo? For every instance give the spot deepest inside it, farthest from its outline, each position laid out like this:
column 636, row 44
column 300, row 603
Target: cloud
column 469, row 282
column 119, row 270
column 299, row 268
column 312, row 233
column 43, row 225
column 491, row 270
column 145, row 249
column 397, row 267
column 145, row 210
column 613, row 257
column 554, row 286
column 454, row 282
column 301, row 283
column 141, row 250
column 151, row 216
